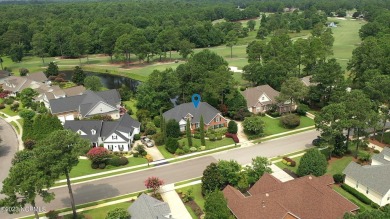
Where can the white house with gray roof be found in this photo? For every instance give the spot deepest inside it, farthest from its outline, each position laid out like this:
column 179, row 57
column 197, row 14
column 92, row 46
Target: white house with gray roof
column 86, row 105
column 113, row 135
column 146, row 207
column 371, row 180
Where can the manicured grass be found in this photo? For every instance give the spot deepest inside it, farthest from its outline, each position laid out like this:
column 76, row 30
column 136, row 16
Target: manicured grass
column 346, row 36
column 339, row 165
column 164, row 152
column 192, row 213
column 273, row 126
column 132, row 105
column 209, row 144
column 352, row 198
column 16, row 126
column 100, row 213
column 197, row 193
column 187, row 181
column 7, row 110
column 84, row 167
column 294, row 169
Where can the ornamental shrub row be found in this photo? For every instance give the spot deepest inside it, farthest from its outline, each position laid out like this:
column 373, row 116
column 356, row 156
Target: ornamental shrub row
column 357, row 194
column 233, row 136
column 289, row 162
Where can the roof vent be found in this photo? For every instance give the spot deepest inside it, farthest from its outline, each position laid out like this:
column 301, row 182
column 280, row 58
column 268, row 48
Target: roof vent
column 263, row 203
column 266, row 194
column 310, row 177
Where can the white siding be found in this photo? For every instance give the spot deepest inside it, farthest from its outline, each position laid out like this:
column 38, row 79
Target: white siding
column 372, row 195
column 263, row 98
column 386, row 199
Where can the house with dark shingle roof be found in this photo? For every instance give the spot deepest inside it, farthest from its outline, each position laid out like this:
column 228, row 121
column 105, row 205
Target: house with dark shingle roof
column 146, row 207
column 302, row 198
column 212, row 117
column 113, row 135
column 262, row 98
column 371, row 180
column 86, row 105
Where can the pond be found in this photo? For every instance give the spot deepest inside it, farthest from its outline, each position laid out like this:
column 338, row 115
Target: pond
column 109, row 81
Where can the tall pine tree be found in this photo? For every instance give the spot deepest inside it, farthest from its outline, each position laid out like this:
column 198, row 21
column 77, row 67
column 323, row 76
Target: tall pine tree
column 201, row 125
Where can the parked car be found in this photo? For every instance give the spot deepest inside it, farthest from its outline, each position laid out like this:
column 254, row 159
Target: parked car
column 317, row 141
column 147, row 141
column 149, row 144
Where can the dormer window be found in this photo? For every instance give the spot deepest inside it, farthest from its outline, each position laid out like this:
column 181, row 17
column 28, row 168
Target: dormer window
column 79, row 132
column 93, row 131
column 114, row 137
column 262, row 98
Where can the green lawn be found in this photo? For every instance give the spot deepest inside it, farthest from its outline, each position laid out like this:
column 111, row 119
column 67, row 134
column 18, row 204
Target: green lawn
column 132, row 105
column 7, row 110
column 273, row 126
column 352, row 198
column 100, row 213
column 16, row 126
column 209, row 144
column 84, row 167
column 197, row 193
column 346, row 36
column 294, row 169
column 164, row 152
column 339, row 165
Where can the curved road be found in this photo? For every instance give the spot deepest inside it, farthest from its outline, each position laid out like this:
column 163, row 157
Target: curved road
column 8, row 148
column 133, row 182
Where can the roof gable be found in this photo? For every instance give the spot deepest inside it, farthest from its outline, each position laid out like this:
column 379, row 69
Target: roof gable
column 181, row 111
column 146, row 207
column 253, row 94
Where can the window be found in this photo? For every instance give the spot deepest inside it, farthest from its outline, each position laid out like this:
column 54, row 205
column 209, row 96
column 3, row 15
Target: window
column 196, row 125
column 79, row 132
column 221, row 125
column 93, row 131
column 262, row 98
column 367, row 190
column 215, row 126
column 114, row 137
column 217, row 119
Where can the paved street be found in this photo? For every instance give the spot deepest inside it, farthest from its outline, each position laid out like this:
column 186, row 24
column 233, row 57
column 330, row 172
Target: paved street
column 132, row 182
column 8, row 148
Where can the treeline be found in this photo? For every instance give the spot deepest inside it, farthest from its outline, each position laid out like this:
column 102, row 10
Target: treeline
column 146, row 28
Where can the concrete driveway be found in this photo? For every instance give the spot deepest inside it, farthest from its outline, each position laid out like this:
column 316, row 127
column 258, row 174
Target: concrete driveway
column 8, row 148
column 156, row 154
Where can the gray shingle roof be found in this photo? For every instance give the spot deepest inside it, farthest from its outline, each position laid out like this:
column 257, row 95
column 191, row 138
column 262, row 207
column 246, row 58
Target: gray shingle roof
column 376, row 177
column 85, row 102
column 146, row 207
column 125, row 124
column 73, row 91
column 179, row 112
column 253, row 94
column 86, row 126
column 381, row 156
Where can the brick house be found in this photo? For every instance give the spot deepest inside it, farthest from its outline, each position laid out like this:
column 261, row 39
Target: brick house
column 212, row 117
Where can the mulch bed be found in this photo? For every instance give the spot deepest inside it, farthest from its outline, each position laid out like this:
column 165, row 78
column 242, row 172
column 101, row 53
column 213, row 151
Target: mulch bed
column 378, row 143
column 195, row 207
column 291, row 173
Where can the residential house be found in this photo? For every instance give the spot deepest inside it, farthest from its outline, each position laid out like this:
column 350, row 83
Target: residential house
column 371, row 180
column 38, row 77
column 302, row 198
column 55, row 92
column 262, row 98
column 307, row 81
column 86, row 105
column 146, row 207
column 113, row 135
column 212, row 117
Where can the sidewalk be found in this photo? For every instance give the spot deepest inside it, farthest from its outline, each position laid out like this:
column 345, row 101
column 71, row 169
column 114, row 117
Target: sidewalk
column 10, row 119
column 170, row 196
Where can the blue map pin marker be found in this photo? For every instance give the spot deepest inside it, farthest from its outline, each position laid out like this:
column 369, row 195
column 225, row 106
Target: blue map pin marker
column 196, row 100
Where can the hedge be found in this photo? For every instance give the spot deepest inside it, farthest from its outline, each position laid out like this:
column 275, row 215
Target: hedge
column 288, row 161
column 357, row 194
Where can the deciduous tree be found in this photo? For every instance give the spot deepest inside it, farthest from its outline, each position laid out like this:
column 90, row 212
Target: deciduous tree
column 313, row 162
column 78, row 76
column 253, row 125
column 93, row 83
column 215, row 206
column 153, row 183
column 292, row 90
column 212, row 179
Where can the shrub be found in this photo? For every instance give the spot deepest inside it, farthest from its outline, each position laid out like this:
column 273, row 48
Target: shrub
column 219, row 137
column 288, row 161
column 193, row 149
column 374, row 205
column 135, row 155
column 290, row 121
column 123, row 161
column 158, row 138
column 9, row 101
column 197, row 136
column 212, row 137
column 357, row 194
column 144, row 153
column 180, row 152
column 186, row 149
column 253, row 125
column 118, row 213
column 137, row 137
column 29, row 144
column 233, row 136
column 274, row 114
column 14, row 107
column 2, row 106
column 51, row 214
column 376, row 151
column 232, row 127
column 94, row 165
column 98, row 155
column 312, row 162
column 115, row 161
column 172, row 145
column 302, row 109
column 188, row 195
column 338, row 178
column 157, row 121
column 102, row 165
column 202, row 148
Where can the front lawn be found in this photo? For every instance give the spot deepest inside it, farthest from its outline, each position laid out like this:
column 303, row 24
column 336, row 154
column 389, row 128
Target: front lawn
column 196, row 192
column 164, row 152
column 337, row 165
column 84, row 167
column 209, row 144
column 100, row 213
column 273, row 126
column 7, row 110
column 294, row 169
